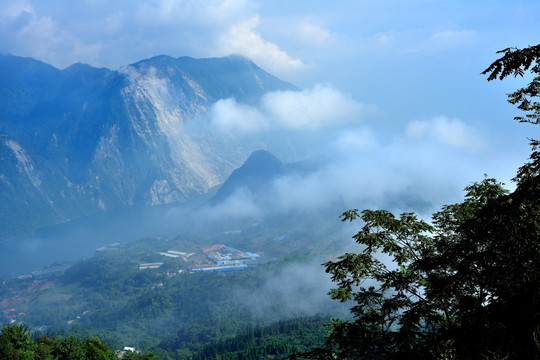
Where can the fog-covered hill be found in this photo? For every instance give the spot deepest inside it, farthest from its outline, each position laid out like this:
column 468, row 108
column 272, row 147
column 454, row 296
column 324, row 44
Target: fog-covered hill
column 257, row 174
column 84, row 140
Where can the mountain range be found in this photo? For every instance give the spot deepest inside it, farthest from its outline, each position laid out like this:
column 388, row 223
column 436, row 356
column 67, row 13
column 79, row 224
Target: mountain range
column 84, row 140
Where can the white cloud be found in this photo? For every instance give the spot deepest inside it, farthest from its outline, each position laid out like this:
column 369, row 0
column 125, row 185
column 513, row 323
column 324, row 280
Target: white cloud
column 385, row 38
column 229, row 115
column 30, row 32
column 418, row 40
column 240, row 204
column 320, row 107
column 174, row 12
column 360, row 169
column 298, row 289
column 241, row 38
column 357, row 141
column 14, row 8
column 447, row 131
column 116, row 34
column 314, row 33
column 114, row 22
column 364, row 172
column 227, row 10
column 453, row 38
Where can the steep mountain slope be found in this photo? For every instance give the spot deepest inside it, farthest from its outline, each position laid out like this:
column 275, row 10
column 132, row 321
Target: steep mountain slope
column 82, row 140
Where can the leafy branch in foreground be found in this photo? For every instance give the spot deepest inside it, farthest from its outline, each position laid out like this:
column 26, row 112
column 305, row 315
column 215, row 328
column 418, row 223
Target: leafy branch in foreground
column 516, row 62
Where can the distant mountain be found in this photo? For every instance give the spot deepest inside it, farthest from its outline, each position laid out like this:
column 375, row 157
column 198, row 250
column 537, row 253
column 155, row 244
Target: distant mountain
column 83, row 140
column 257, row 173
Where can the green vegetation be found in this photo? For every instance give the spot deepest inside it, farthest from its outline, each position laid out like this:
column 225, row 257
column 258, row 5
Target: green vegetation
column 466, row 286
column 17, row 344
column 170, row 311
column 274, row 341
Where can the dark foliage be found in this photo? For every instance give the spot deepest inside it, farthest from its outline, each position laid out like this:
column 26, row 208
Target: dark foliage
column 517, row 62
column 17, row 344
column 275, row 341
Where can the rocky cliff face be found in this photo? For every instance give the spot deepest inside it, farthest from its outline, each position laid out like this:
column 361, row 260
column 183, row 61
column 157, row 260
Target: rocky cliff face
column 82, row 140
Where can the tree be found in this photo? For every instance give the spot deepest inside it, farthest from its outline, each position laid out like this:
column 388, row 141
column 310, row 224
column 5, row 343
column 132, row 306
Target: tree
column 516, row 62
column 44, row 348
column 149, row 356
column 68, row 347
column 16, row 343
column 466, row 285
column 97, row 350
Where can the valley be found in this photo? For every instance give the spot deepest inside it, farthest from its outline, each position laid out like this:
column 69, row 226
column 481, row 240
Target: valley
column 167, row 309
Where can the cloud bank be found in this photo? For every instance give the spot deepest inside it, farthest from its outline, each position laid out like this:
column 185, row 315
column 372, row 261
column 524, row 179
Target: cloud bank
column 62, row 33
column 299, row 289
column 444, row 130
column 422, row 167
column 419, row 170
column 322, row 106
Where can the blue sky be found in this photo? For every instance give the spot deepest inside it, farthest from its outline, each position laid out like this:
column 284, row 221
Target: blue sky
column 403, row 77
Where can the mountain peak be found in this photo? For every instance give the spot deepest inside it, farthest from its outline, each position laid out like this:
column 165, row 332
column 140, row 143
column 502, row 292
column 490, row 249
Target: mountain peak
column 233, row 76
column 238, row 57
column 264, row 158
column 258, row 171
column 154, row 60
column 79, row 67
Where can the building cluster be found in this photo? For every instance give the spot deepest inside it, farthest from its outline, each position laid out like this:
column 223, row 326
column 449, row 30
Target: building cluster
column 11, row 315
column 177, row 254
column 49, row 272
column 224, row 258
column 170, row 254
column 213, row 258
column 145, row 266
column 127, row 349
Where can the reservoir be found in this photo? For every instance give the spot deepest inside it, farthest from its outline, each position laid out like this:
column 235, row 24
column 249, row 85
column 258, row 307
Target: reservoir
column 80, row 238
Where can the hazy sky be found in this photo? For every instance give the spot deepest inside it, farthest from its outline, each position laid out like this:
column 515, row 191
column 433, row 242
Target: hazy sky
column 394, row 85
